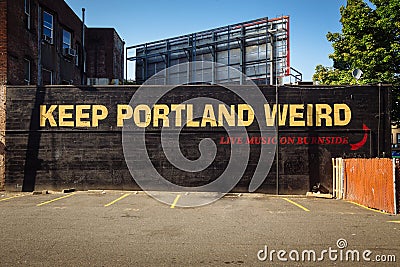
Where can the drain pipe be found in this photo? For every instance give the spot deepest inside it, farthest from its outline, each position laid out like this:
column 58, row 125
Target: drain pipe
column 39, row 43
column 277, row 134
column 379, row 120
column 83, row 72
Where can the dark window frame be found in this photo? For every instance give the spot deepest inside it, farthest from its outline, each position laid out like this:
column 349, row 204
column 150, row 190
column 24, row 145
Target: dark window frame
column 27, row 11
column 27, row 72
column 51, row 75
column 77, row 45
column 64, row 44
column 46, row 25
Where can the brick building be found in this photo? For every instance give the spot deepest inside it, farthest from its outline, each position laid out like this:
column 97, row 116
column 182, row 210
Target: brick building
column 3, row 42
column 41, row 44
column 105, row 56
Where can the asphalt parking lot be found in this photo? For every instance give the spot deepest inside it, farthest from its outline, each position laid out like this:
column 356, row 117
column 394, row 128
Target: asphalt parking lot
column 132, row 229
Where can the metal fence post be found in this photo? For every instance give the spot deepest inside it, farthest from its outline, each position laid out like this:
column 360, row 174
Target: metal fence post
column 334, row 177
column 394, row 186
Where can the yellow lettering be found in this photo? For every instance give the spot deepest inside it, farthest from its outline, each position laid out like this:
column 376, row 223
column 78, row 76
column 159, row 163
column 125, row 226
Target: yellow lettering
column 323, row 112
column 80, row 114
column 124, row 112
column 47, row 115
column 208, row 116
column 250, row 115
column 96, row 116
column 178, row 114
column 310, row 108
column 147, row 114
column 347, row 114
column 283, row 115
column 270, row 116
column 63, row 116
column 189, row 117
column 297, row 115
column 161, row 116
column 223, row 113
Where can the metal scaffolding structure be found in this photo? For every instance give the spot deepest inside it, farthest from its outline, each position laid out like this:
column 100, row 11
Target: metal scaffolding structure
column 257, row 48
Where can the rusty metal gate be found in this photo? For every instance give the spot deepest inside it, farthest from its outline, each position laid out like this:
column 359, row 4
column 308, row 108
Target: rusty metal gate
column 397, row 182
column 370, row 182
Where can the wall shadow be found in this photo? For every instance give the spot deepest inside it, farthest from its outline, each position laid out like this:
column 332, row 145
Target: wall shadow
column 33, row 163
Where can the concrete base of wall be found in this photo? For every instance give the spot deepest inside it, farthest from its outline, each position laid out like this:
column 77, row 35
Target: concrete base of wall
column 2, row 136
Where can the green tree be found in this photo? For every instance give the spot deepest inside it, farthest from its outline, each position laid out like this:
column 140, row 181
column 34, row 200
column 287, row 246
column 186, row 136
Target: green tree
column 370, row 41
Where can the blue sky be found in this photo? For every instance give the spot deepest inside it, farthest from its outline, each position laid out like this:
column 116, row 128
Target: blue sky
column 143, row 21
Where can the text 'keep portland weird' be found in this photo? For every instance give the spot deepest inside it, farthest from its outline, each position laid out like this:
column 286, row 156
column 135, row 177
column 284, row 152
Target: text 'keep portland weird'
column 241, row 115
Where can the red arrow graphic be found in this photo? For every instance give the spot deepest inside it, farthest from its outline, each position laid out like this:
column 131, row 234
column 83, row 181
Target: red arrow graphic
column 363, row 141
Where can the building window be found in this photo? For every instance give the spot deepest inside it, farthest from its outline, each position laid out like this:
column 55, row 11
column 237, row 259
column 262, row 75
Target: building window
column 66, row 39
column 398, row 138
column 27, row 71
column 47, row 76
column 48, row 27
column 27, row 7
column 77, row 54
column 68, row 51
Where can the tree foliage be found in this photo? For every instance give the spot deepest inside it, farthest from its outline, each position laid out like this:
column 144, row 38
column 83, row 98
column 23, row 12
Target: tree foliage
column 370, row 41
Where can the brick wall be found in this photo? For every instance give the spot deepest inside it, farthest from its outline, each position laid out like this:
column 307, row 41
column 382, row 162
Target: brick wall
column 2, row 134
column 53, row 57
column 3, row 41
column 106, row 59
column 22, row 42
column 3, row 80
column 105, row 53
column 92, row 158
column 118, row 57
column 98, row 45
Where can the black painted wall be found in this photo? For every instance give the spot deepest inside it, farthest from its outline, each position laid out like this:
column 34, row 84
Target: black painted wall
column 92, row 158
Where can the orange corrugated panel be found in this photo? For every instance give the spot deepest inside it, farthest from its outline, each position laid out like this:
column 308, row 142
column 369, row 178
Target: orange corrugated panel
column 370, row 182
column 397, row 169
